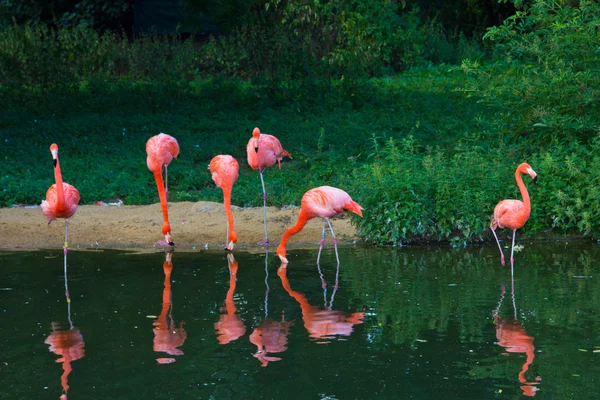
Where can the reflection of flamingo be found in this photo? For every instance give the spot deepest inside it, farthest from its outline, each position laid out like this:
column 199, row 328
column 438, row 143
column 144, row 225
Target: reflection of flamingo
column 263, row 151
column 513, row 214
column 230, row 326
column 161, row 150
column 167, row 338
column 324, row 202
column 321, row 324
column 270, row 336
column 512, row 336
column 66, row 343
column 225, row 171
column 61, row 198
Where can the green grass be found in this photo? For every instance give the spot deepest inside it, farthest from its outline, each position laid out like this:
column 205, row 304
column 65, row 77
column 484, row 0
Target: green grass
column 329, row 128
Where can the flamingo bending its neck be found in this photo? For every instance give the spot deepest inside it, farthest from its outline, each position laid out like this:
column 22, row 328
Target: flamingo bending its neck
column 225, row 171
column 161, row 150
column 263, row 151
column 61, row 198
column 324, row 202
column 513, row 214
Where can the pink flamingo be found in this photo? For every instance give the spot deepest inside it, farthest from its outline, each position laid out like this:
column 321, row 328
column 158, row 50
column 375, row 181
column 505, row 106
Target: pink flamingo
column 61, row 198
column 324, row 202
column 161, row 150
column 225, row 171
column 513, row 214
column 263, row 151
column 230, row 326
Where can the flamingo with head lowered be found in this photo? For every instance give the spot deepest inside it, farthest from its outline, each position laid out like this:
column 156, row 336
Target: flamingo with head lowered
column 161, row 150
column 513, row 214
column 225, row 171
column 324, row 202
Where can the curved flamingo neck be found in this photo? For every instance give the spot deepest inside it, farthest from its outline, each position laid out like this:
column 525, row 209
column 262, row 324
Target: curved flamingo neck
column 162, row 195
column 60, row 192
column 228, row 212
column 302, row 220
column 524, row 193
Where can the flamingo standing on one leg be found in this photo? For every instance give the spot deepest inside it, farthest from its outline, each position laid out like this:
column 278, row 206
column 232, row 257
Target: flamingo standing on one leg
column 61, row 199
column 225, row 171
column 263, row 151
column 324, row 202
column 161, row 150
column 513, row 213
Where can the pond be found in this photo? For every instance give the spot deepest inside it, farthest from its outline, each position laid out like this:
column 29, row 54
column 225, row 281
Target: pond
column 414, row 322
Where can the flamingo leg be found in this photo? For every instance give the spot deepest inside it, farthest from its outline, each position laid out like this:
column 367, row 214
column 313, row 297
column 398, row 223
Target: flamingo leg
column 65, row 251
column 262, row 180
column 321, row 243
column 499, row 247
column 337, row 257
column 512, row 260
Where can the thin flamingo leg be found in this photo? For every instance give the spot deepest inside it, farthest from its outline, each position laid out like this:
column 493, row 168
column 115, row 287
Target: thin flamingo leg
column 499, row 247
column 512, row 250
column 321, row 243
column 65, row 251
column 262, row 180
column 337, row 257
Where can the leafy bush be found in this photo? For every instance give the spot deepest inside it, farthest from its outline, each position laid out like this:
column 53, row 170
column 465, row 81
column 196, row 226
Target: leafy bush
column 411, row 192
column 547, row 77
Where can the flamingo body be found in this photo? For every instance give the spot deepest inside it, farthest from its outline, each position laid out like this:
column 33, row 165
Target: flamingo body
column 225, row 172
column 54, row 208
column 161, row 149
column 324, row 202
column 264, row 150
column 513, row 214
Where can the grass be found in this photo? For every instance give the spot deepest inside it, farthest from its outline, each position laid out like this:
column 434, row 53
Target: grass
column 330, row 128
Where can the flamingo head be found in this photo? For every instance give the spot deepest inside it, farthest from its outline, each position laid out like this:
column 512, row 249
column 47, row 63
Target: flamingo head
column 168, row 239
column 281, row 253
column 54, row 151
column 526, row 169
column 255, row 136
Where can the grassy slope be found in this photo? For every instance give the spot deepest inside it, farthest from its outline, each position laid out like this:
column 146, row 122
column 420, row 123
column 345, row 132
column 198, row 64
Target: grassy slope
column 102, row 129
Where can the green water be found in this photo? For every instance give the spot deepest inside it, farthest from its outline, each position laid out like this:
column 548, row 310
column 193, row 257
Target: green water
column 410, row 323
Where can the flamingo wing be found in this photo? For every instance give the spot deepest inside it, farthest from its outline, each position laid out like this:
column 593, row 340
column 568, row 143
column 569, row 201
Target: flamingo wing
column 510, row 214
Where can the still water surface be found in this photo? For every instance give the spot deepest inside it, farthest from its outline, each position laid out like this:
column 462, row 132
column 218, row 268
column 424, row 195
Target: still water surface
column 414, row 323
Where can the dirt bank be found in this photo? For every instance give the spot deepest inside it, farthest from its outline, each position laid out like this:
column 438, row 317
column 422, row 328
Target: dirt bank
column 194, row 226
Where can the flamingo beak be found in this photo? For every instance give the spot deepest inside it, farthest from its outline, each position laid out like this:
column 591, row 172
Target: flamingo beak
column 535, row 179
column 54, row 162
column 284, row 261
column 230, row 246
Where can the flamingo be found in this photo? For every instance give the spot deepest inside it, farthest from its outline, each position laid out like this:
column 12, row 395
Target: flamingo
column 61, row 199
column 514, row 338
column 263, row 151
column 225, row 171
column 161, row 150
column 168, row 337
column 513, row 214
column 324, row 202
column 230, row 326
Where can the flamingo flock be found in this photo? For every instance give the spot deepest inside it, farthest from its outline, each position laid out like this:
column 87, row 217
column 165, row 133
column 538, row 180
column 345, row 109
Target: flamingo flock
column 264, row 151
column 270, row 336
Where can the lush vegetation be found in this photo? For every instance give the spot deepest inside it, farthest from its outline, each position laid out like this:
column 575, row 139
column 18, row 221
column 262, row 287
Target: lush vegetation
column 422, row 124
